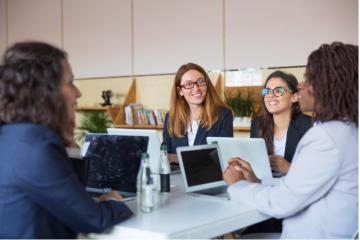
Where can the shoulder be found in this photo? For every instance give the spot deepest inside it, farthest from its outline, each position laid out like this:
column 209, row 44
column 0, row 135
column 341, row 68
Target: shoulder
column 302, row 122
column 225, row 112
column 36, row 141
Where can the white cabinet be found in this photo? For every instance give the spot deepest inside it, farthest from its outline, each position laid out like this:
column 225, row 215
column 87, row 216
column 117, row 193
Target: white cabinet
column 34, row 20
column 283, row 33
column 3, row 27
column 97, row 36
column 169, row 33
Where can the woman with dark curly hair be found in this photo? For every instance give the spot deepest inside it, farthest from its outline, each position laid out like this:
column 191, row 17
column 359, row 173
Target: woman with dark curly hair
column 318, row 197
column 41, row 196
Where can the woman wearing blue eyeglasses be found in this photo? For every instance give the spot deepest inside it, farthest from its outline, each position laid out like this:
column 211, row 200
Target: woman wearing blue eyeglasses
column 196, row 111
column 281, row 124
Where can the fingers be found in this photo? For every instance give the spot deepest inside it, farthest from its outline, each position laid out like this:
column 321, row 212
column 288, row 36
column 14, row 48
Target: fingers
column 113, row 195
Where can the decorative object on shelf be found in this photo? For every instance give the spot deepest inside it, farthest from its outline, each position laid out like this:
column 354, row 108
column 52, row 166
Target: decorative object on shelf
column 243, row 108
column 92, row 122
column 106, row 95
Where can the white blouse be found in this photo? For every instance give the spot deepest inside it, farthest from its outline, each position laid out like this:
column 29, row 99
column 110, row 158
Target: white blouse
column 191, row 132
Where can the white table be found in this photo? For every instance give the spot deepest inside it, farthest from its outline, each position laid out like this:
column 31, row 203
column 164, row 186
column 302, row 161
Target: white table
column 179, row 215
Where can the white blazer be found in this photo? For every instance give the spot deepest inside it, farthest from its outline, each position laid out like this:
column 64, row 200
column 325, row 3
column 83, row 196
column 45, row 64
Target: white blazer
column 318, row 198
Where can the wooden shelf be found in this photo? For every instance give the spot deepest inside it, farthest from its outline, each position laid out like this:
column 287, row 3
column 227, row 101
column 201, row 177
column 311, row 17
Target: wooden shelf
column 91, row 108
column 241, row 129
column 159, row 127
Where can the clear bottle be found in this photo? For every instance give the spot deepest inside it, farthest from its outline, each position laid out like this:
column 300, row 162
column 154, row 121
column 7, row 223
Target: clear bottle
column 164, row 170
column 145, row 185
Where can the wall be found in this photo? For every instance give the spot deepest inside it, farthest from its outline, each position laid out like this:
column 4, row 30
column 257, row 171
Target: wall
column 140, row 37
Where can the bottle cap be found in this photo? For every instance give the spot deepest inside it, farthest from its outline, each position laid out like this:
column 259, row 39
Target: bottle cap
column 163, row 147
column 144, row 155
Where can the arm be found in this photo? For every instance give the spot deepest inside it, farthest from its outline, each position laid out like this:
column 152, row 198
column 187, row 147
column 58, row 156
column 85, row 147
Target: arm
column 227, row 129
column 166, row 136
column 49, row 181
column 312, row 174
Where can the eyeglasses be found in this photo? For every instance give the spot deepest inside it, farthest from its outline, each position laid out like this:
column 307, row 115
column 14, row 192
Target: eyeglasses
column 277, row 92
column 190, row 85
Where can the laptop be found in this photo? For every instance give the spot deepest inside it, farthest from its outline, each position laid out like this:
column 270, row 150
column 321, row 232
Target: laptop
column 202, row 171
column 252, row 150
column 113, row 163
column 153, row 148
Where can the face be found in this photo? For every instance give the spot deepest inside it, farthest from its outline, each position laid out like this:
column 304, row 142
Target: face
column 281, row 104
column 306, row 97
column 70, row 93
column 197, row 94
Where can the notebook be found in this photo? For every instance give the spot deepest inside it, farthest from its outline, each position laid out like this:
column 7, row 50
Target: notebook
column 202, row 171
column 113, row 163
column 153, row 148
column 252, row 150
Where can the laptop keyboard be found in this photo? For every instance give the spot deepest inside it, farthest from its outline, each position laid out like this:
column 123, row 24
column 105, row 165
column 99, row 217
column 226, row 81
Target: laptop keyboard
column 218, row 191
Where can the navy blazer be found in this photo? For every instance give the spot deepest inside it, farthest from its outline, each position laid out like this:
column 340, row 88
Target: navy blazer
column 297, row 128
column 222, row 128
column 41, row 196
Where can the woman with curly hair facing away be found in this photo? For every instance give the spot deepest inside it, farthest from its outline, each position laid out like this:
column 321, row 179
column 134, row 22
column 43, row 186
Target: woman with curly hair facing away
column 318, row 197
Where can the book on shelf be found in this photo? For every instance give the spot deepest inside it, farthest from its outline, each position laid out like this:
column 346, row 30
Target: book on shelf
column 135, row 114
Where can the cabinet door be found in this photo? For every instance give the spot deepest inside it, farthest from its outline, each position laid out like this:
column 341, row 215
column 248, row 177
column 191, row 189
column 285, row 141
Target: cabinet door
column 169, row 33
column 283, row 33
column 97, row 36
column 34, row 20
column 3, row 27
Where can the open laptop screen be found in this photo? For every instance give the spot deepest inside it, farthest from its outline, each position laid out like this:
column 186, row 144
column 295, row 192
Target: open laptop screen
column 114, row 161
column 201, row 166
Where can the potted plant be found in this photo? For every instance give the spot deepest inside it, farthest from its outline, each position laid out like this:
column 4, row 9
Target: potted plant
column 243, row 108
column 92, row 122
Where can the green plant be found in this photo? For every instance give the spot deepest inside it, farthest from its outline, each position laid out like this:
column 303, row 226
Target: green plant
column 242, row 106
column 92, row 122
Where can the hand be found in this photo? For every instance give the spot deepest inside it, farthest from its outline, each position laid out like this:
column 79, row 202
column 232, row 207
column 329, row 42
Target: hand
column 245, row 168
column 172, row 158
column 113, row 195
column 232, row 175
column 278, row 163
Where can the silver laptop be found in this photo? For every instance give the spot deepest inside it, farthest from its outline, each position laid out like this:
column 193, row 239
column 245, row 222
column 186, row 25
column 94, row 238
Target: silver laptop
column 202, row 171
column 153, row 148
column 113, row 163
column 252, row 150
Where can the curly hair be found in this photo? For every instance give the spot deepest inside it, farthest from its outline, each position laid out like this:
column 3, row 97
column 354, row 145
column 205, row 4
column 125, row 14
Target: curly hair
column 332, row 71
column 30, row 77
column 266, row 121
column 180, row 111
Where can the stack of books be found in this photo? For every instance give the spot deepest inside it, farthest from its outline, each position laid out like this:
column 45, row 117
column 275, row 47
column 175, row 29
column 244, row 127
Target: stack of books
column 135, row 114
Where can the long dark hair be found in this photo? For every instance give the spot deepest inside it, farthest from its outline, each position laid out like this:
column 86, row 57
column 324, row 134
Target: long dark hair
column 266, row 121
column 30, row 77
column 332, row 71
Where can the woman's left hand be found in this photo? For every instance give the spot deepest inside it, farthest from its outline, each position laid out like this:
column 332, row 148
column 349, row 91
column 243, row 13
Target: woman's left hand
column 278, row 163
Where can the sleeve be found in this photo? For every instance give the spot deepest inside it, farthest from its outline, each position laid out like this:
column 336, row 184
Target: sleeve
column 311, row 175
column 227, row 129
column 253, row 128
column 48, row 179
column 166, row 136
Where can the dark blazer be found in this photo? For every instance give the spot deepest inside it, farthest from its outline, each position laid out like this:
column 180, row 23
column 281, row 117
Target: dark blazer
column 297, row 128
column 222, row 128
column 41, row 196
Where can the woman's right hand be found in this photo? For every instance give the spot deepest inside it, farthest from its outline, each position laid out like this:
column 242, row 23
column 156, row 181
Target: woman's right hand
column 245, row 168
column 172, row 158
column 113, row 195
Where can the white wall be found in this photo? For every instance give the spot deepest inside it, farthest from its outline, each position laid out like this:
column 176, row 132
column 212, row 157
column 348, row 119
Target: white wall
column 282, row 32
column 169, row 33
column 102, row 39
column 97, row 36
column 3, row 24
column 34, row 20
